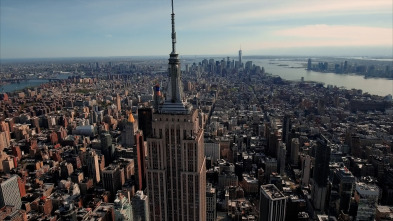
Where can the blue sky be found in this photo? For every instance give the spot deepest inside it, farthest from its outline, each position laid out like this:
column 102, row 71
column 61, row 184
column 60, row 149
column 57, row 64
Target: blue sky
column 80, row 28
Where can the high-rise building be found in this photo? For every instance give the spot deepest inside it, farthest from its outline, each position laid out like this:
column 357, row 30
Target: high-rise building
column 309, row 64
column 132, row 137
column 295, row 151
column 240, row 57
column 346, row 182
column 306, row 169
column 118, row 102
column 321, row 173
column 140, row 206
column 107, row 148
column 22, row 186
column 145, row 121
column 9, row 193
column 212, row 150
column 270, row 167
column 112, row 178
column 6, row 129
column 128, row 134
column 122, row 208
column 281, row 155
column 366, row 197
column 140, row 159
column 93, row 167
column 211, row 199
column 271, row 204
column 176, row 177
column 286, row 128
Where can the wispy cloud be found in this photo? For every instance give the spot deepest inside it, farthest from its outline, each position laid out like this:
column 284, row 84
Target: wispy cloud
column 337, row 35
column 203, row 26
column 254, row 10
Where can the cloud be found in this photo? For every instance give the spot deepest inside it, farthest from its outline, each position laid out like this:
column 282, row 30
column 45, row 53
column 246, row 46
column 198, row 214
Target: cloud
column 336, row 35
column 251, row 11
column 203, row 26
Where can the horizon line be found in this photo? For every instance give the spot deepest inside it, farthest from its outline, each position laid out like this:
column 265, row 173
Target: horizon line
column 189, row 55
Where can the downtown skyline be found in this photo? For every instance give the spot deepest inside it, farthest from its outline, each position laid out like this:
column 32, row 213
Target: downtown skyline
column 133, row 28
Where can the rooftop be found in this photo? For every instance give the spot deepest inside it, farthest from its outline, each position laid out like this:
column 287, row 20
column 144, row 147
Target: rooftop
column 272, row 192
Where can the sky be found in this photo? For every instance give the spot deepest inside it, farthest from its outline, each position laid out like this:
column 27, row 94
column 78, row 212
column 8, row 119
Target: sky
column 101, row 28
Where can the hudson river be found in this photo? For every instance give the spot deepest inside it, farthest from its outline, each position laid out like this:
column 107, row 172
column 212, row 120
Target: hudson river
column 286, row 69
column 294, row 70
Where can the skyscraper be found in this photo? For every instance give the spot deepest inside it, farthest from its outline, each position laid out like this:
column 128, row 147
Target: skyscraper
column 306, row 168
column 295, row 151
column 9, row 193
column 144, row 120
column 128, row 133
column 366, row 197
column 321, row 173
column 309, row 64
column 140, row 206
column 132, row 137
column 211, row 200
column 176, row 179
column 107, row 148
column 240, row 57
column 93, row 167
column 112, row 178
column 118, row 102
column 346, row 182
column 272, row 204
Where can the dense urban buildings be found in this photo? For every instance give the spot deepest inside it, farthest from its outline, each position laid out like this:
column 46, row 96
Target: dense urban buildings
column 72, row 153
column 205, row 139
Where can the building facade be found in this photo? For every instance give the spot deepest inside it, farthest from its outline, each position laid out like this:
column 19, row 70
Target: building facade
column 212, row 150
column 272, row 203
column 176, row 173
column 140, row 206
column 9, row 193
column 176, row 170
column 211, row 200
column 321, row 173
column 366, row 197
column 112, row 178
column 93, row 167
column 132, row 137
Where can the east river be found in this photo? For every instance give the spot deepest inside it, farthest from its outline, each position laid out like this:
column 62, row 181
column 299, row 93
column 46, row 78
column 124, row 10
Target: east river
column 27, row 84
column 21, row 85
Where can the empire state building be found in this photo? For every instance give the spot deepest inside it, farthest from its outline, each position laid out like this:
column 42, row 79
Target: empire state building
column 176, row 170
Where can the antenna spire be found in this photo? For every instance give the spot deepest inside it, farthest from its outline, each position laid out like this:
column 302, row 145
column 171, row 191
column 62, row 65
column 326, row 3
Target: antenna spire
column 173, row 31
column 174, row 99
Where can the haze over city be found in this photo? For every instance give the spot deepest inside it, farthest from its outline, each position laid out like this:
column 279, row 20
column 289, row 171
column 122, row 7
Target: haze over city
column 37, row 29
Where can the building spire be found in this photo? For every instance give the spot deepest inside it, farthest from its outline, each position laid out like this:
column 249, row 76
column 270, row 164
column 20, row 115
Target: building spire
column 174, row 99
column 173, row 31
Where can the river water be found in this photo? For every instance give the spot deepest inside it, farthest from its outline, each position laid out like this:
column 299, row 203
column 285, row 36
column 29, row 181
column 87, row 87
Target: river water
column 28, row 83
column 286, row 69
column 21, row 85
column 295, row 70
